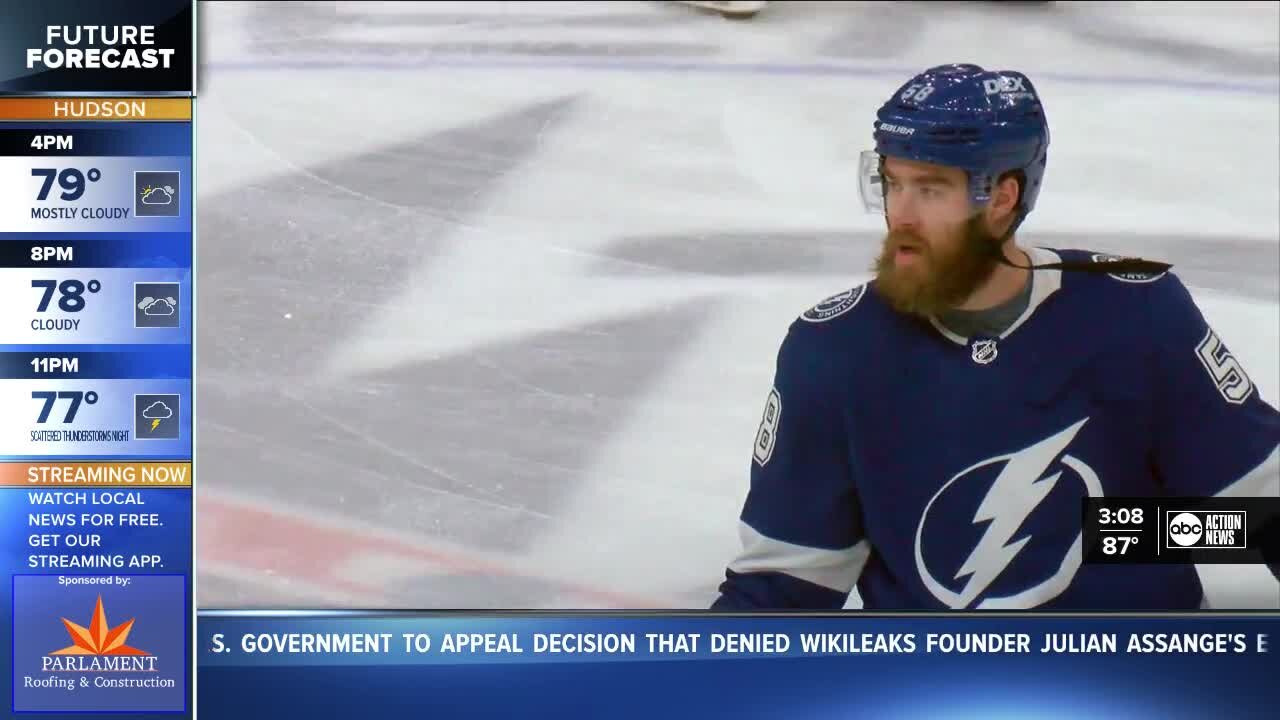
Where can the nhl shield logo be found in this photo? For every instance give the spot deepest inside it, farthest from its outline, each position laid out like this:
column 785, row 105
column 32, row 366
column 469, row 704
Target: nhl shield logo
column 984, row 351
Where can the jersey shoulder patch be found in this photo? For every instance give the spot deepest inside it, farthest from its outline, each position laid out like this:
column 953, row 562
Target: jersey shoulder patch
column 1129, row 277
column 834, row 306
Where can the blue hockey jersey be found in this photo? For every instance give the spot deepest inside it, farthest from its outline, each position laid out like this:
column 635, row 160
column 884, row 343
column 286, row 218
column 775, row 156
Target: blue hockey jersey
column 934, row 471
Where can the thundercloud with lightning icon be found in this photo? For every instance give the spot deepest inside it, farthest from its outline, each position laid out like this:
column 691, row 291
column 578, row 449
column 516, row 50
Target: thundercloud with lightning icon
column 156, row 417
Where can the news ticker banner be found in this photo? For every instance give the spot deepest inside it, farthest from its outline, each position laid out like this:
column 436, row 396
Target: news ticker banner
column 96, row 356
column 702, row 666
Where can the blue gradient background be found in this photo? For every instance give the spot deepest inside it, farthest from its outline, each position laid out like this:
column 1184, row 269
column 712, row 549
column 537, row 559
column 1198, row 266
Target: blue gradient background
column 115, row 188
column 99, row 139
column 117, row 360
column 100, row 250
column 107, row 315
column 113, row 411
column 119, row 149
column 918, row 685
column 157, row 603
column 172, row 541
column 124, row 362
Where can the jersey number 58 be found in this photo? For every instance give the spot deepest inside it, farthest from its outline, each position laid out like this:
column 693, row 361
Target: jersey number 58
column 767, row 435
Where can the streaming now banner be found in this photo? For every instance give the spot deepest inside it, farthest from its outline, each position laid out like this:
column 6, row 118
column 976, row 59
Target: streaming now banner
column 360, row 664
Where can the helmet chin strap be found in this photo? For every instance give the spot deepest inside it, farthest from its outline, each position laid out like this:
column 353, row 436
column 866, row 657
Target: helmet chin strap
column 1123, row 265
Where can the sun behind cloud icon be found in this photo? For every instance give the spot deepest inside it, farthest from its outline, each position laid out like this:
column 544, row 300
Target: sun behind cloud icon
column 157, row 411
column 99, row 638
column 160, row 307
column 157, row 195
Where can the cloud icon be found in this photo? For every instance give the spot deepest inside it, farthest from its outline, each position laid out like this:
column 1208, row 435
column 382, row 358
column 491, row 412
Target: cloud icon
column 160, row 307
column 157, row 196
column 157, row 410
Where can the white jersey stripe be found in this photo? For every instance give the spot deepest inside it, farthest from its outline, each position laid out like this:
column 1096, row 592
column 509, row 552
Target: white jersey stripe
column 835, row 569
column 1262, row 481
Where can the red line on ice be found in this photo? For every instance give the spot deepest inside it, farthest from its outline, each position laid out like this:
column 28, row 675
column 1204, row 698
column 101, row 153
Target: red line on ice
column 240, row 533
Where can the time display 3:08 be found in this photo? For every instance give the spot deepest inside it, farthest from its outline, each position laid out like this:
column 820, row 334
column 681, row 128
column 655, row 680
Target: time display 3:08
column 1121, row 516
column 1115, row 530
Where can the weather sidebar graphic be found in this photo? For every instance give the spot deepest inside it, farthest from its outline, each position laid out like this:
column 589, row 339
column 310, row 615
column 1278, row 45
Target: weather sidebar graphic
column 96, row 371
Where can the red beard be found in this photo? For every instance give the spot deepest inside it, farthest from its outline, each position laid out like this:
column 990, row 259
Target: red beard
column 935, row 279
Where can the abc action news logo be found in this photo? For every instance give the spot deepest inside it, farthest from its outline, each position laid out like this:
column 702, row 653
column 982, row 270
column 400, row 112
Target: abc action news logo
column 1207, row 530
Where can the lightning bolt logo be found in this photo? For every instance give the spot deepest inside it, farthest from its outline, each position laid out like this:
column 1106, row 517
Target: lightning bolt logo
column 1017, row 491
column 1023, row 483
column 155, row 424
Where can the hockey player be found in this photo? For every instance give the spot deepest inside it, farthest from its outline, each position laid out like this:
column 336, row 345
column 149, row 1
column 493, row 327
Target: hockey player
column 931, row 435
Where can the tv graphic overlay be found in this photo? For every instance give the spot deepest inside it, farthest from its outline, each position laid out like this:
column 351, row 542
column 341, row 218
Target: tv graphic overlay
column 392, row 664
column 1224, row 530
column 99, row 643
column 1182, row 530
column 96, row 362
column 123, row 47
column 157, row 194
column 157, row 417
column 156, row 305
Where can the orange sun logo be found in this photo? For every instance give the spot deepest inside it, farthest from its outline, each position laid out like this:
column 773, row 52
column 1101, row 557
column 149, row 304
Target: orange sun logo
column 99, row 638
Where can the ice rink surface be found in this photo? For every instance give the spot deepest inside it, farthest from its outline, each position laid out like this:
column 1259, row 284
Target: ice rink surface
column 490, row 294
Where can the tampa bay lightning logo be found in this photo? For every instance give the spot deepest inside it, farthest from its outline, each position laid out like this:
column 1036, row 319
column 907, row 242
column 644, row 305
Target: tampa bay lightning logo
column 1005, row 534
column 834, row 306
column 1132, row 277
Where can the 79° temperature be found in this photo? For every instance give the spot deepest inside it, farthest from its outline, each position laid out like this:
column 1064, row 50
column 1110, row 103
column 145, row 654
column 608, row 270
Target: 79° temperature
column 71, row 182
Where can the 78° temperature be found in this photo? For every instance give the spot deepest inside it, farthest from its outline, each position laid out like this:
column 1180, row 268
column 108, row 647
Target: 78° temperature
column 70, row 292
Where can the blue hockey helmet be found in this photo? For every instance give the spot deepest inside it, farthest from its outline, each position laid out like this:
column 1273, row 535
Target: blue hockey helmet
column 987, row 123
